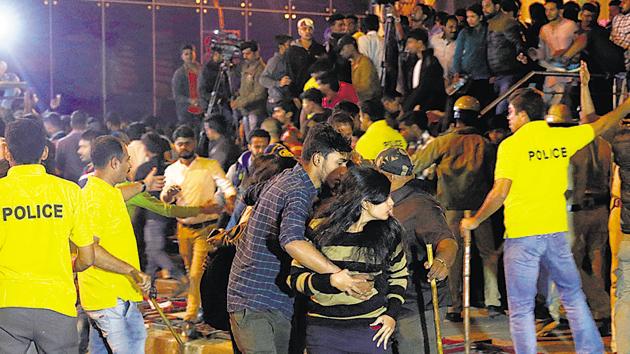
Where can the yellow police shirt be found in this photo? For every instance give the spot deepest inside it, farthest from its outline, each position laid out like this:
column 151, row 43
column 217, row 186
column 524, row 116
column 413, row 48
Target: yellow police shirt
column 38, row 217
column 311, row 83
column 107, row 219
column 536, row 160
column 378, row 137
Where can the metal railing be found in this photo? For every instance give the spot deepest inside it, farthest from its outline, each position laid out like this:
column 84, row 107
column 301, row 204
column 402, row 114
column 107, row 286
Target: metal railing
column 530, row 75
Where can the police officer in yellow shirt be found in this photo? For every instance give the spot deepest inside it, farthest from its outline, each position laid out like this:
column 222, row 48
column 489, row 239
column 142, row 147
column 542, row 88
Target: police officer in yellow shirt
column 530, row 181
column 111, row 289
column 38, row 218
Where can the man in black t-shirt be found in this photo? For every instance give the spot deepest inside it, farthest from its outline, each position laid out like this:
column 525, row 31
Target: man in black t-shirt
column 424, row 222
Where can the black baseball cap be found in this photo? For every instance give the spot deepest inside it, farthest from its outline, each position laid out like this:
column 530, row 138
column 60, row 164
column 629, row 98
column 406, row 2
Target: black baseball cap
column 395, row 161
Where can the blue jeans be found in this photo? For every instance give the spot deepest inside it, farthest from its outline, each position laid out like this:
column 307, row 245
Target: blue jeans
column 502, row 83
column 523, row 258
column 118, row 330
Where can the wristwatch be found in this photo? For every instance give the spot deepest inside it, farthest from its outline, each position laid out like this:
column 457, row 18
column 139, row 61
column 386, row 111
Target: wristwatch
column 144, row 187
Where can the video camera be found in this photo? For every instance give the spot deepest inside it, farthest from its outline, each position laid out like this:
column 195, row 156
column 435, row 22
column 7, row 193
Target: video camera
column 226, row 43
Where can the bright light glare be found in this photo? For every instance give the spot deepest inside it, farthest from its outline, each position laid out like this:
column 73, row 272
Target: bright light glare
column 9, row 26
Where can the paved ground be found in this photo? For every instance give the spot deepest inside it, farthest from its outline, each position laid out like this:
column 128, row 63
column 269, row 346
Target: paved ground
column 497, row 330
column 494, row 331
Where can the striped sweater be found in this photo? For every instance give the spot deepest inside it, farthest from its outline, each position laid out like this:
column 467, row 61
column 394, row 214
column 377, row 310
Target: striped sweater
column 329, row 306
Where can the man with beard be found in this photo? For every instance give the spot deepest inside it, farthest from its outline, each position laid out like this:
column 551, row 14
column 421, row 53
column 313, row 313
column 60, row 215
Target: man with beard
column 114, row 285
column 193, row 181
column 252, row 96
column 443, row 45
column 84, row 151
column 352, row 26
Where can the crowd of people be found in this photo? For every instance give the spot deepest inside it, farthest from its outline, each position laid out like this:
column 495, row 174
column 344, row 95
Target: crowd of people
column 306, row 192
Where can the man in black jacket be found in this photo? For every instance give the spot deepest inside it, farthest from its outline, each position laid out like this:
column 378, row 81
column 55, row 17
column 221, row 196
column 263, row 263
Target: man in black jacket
column 601, row 55
column 337, row 30
column 425, row 85
column 504, row 46
column 302, row 53
column 276, row 77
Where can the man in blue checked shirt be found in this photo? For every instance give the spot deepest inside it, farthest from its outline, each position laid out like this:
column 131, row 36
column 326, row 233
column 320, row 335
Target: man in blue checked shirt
column 258, row 298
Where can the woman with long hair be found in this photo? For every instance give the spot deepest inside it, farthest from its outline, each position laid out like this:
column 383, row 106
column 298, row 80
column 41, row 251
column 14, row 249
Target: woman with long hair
column 355, row 230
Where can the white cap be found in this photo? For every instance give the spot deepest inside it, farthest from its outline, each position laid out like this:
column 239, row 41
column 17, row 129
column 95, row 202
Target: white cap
column 305, row 22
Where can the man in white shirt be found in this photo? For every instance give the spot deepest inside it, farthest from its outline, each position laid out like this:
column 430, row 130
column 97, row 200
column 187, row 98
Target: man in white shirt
column 192, row 181
column 371, row 44
column 443, row 45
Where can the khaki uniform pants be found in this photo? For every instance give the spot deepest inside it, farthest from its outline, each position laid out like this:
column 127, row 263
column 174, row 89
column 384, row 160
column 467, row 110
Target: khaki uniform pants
column 483, row 239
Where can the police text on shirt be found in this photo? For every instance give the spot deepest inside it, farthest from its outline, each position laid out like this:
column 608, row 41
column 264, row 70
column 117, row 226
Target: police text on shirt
column 46, row 211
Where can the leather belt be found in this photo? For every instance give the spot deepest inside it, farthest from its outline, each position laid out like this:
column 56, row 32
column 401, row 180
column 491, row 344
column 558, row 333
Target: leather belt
column 590, row 203
column 200, row 225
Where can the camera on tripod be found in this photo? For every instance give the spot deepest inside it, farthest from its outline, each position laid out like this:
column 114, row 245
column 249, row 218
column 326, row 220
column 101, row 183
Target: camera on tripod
column 226, row 43
column 387, row 9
